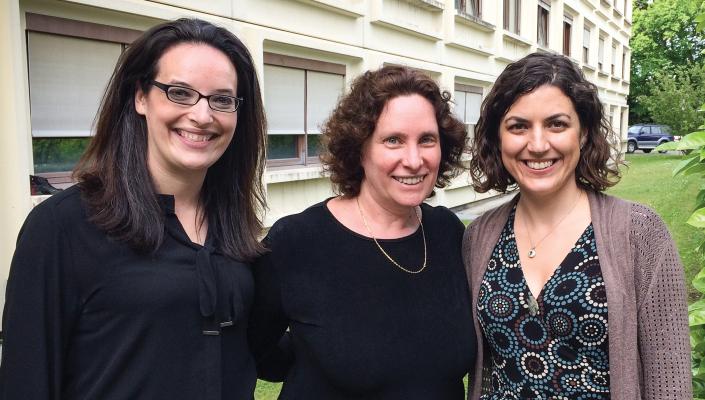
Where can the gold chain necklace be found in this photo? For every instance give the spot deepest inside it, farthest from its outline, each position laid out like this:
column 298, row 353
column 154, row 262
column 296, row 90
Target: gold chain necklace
column 364, row 221
column 532, row 251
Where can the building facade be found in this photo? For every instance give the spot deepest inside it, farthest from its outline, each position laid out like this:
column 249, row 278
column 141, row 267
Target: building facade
column 57, row 56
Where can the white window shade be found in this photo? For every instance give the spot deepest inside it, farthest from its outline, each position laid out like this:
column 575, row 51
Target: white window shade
column 322, row 92
column 586, row 38
column 284, row 100
column 473, row 101
column 459, row 110
column 67, row 78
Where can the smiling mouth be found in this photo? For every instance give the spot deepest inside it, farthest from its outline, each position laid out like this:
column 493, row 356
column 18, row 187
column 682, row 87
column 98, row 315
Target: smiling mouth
column 193, row 137
column 539, row 165
column 410, row 180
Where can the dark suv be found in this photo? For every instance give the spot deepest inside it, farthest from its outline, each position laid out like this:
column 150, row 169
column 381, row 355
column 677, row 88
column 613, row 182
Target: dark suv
column 647, row 136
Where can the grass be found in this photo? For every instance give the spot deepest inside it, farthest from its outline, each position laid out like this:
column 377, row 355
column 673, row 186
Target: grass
column 648, row 180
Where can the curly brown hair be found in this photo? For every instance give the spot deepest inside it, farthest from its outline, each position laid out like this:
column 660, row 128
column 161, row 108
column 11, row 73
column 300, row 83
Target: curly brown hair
column 355, row 117
column 598, row 167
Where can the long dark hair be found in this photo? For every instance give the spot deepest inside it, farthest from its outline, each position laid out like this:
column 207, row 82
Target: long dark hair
column 113, row 175
column 597, row 168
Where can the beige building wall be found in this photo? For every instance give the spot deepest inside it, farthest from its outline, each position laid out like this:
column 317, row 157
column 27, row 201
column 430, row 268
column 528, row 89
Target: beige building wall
column 462, row 51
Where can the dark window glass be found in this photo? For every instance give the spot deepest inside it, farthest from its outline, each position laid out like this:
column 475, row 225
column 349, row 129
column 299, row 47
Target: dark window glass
column 313, row 145
column 645, row 130
column 282, row 146
column 57, row 154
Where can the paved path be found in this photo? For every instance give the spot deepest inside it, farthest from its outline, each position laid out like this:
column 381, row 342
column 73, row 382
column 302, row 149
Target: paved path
column 474, row 210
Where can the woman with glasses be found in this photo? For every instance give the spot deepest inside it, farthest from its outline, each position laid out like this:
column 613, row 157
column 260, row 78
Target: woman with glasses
column 134, row 283
column 367, row 290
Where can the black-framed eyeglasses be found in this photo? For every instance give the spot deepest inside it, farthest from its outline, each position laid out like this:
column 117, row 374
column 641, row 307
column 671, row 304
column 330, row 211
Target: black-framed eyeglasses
column 188, row 97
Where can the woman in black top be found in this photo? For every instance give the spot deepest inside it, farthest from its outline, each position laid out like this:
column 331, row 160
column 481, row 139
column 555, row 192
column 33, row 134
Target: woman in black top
column 370, row 284
column 133, row 284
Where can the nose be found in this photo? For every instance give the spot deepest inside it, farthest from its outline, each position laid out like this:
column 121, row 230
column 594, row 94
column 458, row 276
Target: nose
column 538, row 142
column 412, row 158
column 201, row 113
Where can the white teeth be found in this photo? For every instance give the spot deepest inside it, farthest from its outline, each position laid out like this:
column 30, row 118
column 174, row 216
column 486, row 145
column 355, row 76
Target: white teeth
column 194, row 137
column 410, row 180
column 539, row 164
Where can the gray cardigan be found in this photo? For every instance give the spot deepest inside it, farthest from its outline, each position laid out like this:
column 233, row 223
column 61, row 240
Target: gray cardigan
column 649, row 346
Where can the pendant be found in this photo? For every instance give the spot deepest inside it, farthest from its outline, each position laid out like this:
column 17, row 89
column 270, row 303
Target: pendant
column 532, row 253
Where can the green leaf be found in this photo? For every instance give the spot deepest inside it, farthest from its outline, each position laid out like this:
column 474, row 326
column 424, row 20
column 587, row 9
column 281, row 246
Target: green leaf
column 697, row 168
column 692, row 141
column 697, row 218
column 699, row 281
column 700, row 199
column 696, row 313
column 685, row 164
column 667, row 146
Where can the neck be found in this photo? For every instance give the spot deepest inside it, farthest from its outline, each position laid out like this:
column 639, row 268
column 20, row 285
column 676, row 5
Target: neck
column 186, row 189
column 547, row 209
column 394, row 218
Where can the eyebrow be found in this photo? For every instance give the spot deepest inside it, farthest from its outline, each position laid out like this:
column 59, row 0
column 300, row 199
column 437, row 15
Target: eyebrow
column 229, row 92
column 549, row 118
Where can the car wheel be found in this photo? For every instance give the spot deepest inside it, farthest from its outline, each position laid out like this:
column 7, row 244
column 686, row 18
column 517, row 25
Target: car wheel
column 647, row 151
column 663, row 151
column 631, row 147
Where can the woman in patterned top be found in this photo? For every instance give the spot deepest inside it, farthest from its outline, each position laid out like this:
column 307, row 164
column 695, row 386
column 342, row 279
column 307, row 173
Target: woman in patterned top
column 576, row 294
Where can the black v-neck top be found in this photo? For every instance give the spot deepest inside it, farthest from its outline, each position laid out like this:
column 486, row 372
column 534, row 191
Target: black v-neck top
column 554, row 346
column 359, row 327
column 88, row 318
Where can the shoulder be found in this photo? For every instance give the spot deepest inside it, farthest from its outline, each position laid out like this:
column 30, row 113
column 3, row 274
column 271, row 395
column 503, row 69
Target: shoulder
column 299, row 224
column 441, row 215
column 492, row 218
column 63, row 208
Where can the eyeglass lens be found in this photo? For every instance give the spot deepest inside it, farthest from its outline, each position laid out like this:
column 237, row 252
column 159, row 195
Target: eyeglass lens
column 190, row 97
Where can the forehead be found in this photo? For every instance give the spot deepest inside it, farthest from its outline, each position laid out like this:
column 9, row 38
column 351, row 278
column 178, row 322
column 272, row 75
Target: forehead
column 197, row 64
column 546, row 99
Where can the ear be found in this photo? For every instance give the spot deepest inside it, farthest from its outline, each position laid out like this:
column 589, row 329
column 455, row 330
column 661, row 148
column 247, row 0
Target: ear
column 140, row 101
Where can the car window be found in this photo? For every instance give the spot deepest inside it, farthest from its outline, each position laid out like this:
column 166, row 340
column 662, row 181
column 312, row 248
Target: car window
column 645, row 131
column 634, row 130
column 666, row 130
column 656, row 130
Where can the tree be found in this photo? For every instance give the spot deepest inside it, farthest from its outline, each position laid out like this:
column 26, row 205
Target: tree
column 664, row 38
column 675, row 98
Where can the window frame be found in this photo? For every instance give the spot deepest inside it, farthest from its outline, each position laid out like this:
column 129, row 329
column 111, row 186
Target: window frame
column 586, row 50
column 307, row 65
column 462, row 7
column 567, row 35
column 46, row 24
column 469, row 89
column 543, row 9
column 507, row 4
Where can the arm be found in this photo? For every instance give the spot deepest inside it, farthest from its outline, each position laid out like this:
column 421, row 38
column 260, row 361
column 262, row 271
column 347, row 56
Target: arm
column 40, row 307
column 267, row 332
column 664, row 344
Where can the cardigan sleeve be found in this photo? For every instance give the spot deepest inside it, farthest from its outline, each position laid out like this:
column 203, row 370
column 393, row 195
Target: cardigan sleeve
column 267, row 332
column 41, row 306
column 664, row 344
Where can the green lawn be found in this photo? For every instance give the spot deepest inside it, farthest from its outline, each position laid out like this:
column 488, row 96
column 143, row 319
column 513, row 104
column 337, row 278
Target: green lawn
column 648, row 180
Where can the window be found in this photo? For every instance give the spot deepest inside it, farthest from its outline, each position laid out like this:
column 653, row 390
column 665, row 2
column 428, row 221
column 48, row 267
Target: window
column 66, row 87
column 613, row 66
column 470, row 7
column 601, row 54
column 567, row 33
column 299, row 95
column 624, row 63
column 542, row 29
column 511, row 15
column 468, row 100
column 586, row 45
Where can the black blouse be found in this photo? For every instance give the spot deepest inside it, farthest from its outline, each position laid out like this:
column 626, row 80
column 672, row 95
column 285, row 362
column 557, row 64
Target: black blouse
column 555, row 346
column 88, row 318
column 359, row 327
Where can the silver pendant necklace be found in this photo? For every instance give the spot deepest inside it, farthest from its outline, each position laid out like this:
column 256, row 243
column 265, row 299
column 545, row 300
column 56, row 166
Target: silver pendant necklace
column 532, row 250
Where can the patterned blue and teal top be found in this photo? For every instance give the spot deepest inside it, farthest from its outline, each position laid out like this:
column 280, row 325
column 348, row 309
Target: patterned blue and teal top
column 552, row 347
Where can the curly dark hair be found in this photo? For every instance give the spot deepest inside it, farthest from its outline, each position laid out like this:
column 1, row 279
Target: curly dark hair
column 354, row 119
column 598, row 167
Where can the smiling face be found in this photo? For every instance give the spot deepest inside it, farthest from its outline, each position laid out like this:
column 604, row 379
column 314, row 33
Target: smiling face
column 185, row 140
column 402, row 157
column 540, row 142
